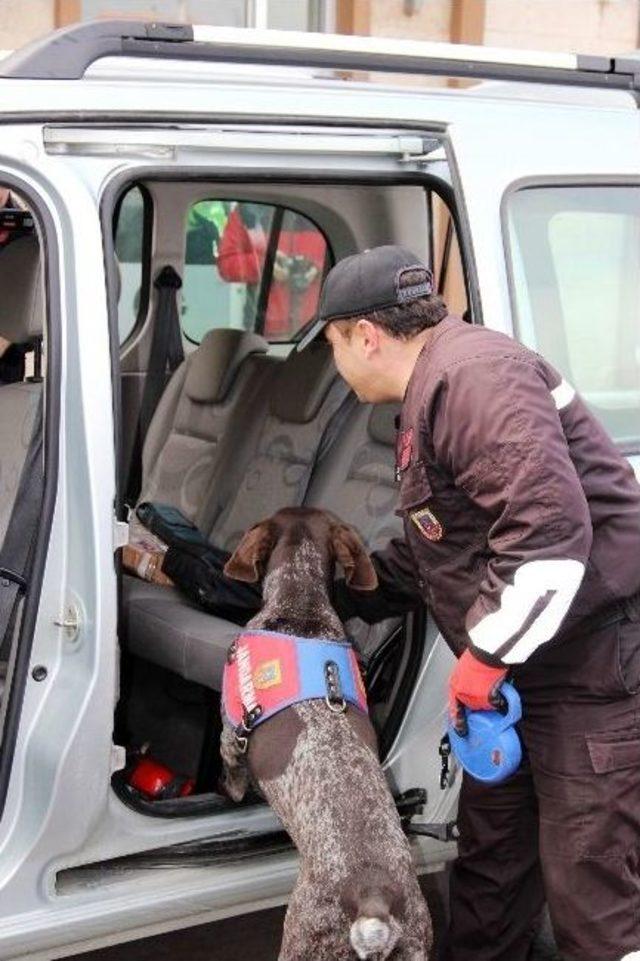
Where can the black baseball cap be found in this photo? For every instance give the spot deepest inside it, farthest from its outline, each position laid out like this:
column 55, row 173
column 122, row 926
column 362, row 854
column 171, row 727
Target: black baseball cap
column 366, row 282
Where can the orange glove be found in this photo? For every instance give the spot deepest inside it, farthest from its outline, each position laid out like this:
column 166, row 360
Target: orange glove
column 474, row 685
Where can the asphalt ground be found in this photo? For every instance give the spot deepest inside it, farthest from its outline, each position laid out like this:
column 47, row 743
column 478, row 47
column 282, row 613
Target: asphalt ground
column 254, row 936
column 257, row 937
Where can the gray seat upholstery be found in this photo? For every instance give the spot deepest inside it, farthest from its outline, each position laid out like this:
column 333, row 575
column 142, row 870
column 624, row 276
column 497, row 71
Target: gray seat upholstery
column 355, row 480
column 21, row 319
column 181, row 450
column 358, row 483
column 274, row 451
column 304, row 396
column 166, row 629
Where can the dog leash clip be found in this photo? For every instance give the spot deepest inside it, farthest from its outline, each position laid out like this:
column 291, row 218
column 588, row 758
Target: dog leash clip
column 444, row 751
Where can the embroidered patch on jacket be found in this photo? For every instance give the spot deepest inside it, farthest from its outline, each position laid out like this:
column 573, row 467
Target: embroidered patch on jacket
column 428, row 524
column 267, row 675
column 404, row 447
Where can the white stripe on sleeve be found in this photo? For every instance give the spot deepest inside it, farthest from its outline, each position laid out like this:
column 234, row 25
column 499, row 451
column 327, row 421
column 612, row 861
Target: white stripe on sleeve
column 563, row 394
column 532, row 581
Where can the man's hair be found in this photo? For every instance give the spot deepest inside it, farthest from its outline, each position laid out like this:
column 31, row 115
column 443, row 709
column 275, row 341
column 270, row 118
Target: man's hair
column 403, row 321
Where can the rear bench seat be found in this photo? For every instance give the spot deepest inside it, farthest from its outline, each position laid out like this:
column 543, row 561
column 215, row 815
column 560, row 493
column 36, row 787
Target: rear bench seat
column 357, row 482
column 181, row 450
column 355, row 479
column 268, row 455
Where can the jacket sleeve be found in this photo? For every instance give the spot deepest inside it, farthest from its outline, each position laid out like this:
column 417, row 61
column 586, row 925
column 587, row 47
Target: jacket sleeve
column 397, row 592
column 238, row 261
column 497, row 425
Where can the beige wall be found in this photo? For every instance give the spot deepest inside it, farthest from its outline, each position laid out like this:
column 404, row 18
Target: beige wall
column 431, row 22
column 590, row 26
column 23, row 20
column 577, row 26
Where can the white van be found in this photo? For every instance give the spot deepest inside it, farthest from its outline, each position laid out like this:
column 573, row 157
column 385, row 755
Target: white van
column 173, row 196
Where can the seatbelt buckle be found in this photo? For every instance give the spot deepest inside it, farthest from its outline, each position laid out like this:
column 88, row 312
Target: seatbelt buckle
column 8, row 576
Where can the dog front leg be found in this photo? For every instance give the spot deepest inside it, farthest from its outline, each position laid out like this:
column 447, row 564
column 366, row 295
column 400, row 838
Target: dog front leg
column 235, row 770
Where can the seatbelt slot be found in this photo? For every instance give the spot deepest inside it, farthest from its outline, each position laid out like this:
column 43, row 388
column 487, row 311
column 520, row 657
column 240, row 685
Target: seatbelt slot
column 11, row 577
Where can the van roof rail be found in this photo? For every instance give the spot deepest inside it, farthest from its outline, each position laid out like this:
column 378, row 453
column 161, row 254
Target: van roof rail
column 67, row 53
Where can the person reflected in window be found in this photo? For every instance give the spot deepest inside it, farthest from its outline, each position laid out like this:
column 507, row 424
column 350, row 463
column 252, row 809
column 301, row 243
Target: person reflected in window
column 297, row 268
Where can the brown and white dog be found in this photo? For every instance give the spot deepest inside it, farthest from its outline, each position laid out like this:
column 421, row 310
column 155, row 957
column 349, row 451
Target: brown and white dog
column 356, row 892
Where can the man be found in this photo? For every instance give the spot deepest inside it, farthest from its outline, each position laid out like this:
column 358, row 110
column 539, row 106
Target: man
column 522, row 536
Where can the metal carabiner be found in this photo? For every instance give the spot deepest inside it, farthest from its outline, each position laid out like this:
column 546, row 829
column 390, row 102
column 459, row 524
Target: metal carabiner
column 242, row 743
column 336, row 707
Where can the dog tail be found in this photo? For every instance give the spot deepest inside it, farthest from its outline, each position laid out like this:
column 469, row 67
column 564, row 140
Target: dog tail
column 373, row 902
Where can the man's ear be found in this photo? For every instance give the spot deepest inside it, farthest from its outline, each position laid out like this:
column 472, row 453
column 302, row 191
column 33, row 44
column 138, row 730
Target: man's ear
column 248, row 561
column 369, row 334
column 352, row 555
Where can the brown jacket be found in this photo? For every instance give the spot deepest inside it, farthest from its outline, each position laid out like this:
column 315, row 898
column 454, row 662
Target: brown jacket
column 521, row 517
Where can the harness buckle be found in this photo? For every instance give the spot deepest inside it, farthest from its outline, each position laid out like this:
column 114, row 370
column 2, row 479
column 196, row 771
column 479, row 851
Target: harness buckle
column 334, row 699
column 249, row 718
column 242, row 743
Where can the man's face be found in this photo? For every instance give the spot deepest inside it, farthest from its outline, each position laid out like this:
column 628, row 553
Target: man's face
column 358, row 357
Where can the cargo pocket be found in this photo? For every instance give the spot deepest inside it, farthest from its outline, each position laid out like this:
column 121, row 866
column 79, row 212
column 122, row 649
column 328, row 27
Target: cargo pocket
column 611, row 809
column 614, row 752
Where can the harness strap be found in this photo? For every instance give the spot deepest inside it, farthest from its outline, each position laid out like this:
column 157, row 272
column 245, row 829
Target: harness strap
column 267, row 672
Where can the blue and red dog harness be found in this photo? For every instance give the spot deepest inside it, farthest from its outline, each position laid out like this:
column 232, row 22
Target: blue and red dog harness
column 267, row 672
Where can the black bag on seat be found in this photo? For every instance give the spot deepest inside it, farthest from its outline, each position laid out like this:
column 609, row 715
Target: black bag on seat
column 196, row 567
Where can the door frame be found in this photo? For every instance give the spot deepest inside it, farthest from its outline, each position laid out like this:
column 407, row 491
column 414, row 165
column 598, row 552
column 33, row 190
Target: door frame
column 49, row 252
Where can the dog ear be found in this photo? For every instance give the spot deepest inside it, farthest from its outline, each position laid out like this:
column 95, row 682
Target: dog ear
column 352, row 555
column 248, row 561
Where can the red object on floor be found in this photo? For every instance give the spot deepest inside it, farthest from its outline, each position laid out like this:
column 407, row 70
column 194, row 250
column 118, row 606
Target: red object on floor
column 158, row 782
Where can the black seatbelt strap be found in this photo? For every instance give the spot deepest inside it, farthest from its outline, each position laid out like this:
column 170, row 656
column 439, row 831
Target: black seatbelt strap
column 166, row 355
column 15, row 554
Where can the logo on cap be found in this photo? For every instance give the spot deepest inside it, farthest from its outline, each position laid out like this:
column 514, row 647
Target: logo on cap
column 414, row 291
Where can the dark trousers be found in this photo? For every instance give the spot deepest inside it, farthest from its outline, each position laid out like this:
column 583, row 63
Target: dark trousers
column 566, row 827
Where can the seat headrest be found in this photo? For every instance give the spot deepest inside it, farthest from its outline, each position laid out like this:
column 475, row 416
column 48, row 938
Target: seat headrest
column 214, row 365
column 303, row 382
column 382, row 423
column 22, row 286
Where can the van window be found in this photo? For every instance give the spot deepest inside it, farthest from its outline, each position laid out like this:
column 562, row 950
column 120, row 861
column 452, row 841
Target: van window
column 250, row 266
column 575, row 275
column 132, row 226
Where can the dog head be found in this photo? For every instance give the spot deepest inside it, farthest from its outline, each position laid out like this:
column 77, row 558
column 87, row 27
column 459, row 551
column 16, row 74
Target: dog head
column 274, row 541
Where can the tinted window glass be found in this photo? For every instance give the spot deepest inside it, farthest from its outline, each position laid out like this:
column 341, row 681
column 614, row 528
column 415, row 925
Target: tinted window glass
column 298, row 269
column 250, row 266
column 576, row 280
column 129, row 247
